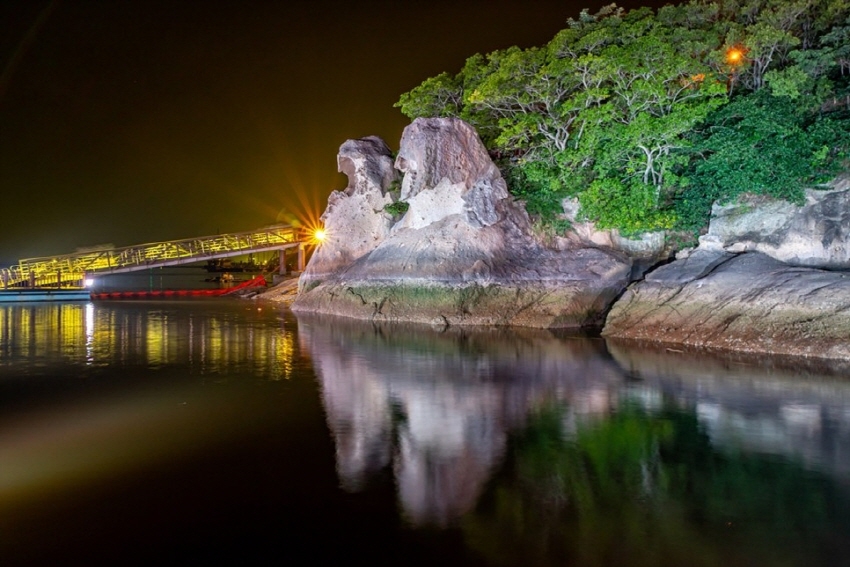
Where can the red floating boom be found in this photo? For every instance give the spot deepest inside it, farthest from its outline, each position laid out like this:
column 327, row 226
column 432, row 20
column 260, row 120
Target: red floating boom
column 258, row 281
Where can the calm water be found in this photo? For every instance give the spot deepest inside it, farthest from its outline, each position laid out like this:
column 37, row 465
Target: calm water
column 183, row 432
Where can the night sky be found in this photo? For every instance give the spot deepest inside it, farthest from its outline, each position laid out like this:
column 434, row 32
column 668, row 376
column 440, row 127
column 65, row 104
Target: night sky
column 133, row 121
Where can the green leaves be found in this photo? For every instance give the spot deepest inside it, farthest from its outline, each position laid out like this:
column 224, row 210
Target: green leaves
column 437, row 96
column 630, row 111
column 764, row 144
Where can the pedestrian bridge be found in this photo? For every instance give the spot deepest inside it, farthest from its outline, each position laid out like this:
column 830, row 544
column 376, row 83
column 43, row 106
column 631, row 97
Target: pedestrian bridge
column 71, row 270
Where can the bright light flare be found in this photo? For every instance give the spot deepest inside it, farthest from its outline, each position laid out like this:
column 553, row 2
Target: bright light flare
column 88, row 282
column 734, row 55
column 319, row 235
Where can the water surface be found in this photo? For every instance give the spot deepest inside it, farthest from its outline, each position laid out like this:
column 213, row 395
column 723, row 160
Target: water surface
column 167, row 432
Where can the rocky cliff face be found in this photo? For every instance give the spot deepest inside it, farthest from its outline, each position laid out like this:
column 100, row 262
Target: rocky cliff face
column 463, row 253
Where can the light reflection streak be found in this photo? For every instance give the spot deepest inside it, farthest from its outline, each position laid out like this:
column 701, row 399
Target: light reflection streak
column 95, row 335
column 81, row 440
column 89, row 333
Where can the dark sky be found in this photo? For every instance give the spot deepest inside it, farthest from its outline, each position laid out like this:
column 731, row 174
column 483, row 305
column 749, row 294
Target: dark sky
column 131, row 121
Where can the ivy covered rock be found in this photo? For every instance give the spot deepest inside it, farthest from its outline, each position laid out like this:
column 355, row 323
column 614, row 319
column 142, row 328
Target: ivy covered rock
column 464, row 252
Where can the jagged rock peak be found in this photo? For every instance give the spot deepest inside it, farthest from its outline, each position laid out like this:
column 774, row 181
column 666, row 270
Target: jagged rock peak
column 368, row 163
column 355, row 220
column 447, row 171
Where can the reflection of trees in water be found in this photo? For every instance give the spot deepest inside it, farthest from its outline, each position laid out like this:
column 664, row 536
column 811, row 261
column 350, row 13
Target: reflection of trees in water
column 643, row 488
column 542, row 447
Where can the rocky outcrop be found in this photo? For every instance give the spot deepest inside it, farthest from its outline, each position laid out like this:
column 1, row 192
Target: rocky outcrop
column 647, row 248
column 815, row 234
column 447, row 171
column 756, row 283
column 746, row 302
column 355, row 220
column 464, row 252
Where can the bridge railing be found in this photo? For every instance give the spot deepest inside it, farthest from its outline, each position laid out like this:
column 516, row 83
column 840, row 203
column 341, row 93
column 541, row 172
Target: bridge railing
column 70, row 269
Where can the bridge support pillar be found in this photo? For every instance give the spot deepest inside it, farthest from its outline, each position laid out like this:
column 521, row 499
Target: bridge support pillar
column 282, row 269
column 300, row 257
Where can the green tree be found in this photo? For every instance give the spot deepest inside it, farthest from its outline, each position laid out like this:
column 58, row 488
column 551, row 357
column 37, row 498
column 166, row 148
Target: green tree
column 625, row 109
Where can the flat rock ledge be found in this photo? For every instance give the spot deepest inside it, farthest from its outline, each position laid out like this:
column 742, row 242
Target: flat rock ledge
column 561, row 305
column 747, row 302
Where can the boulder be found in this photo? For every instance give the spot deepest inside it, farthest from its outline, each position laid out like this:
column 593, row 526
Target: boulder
column 815, row 234
column 355, row 221
column 464, row 252
column 745, row 302
column 447, row 171
column 647, row 248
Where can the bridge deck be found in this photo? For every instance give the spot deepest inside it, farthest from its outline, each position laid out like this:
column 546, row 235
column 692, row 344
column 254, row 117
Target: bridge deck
column 71, row 269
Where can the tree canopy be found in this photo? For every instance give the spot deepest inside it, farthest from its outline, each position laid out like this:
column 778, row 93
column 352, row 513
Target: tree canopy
column 647, row 117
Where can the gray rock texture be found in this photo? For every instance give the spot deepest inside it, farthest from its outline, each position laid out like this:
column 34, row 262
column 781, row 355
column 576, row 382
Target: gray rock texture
column 648, row 247
column 464, row 252
column 748, row 302
column 355, row 220
column 816, row 234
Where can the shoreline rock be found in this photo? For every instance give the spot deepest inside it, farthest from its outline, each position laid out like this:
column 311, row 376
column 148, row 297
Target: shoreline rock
column 463, row 253
column 747, row 302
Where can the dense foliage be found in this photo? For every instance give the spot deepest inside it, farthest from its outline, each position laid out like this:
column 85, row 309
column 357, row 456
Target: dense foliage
column 648, row 117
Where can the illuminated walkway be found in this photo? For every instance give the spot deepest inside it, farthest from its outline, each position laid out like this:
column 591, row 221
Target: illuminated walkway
column 69, row 270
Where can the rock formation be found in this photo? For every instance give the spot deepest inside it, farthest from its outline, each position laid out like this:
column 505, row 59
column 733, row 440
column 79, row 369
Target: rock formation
column 816, row 234
column 463, row 253
column 355, row 220
column 647, row 249
column 766, row 278
column 747, row 302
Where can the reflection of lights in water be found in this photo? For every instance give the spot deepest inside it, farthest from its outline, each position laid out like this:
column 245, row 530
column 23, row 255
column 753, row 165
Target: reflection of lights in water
column 89, row 330
column 156, row 337
column 283, row 346
column 91, row 334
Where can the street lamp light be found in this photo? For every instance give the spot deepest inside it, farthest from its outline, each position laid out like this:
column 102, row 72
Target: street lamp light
column 734, row 56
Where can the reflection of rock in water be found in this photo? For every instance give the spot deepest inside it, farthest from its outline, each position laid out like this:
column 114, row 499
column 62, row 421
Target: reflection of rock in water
column 792, row 407
column 359, row 418
column 453, row 436
column 441, row 404
column 436, row 408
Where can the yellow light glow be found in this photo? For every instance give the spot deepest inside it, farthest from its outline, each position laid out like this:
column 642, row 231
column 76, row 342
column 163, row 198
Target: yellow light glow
column 319, row 234
column 734, row 55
